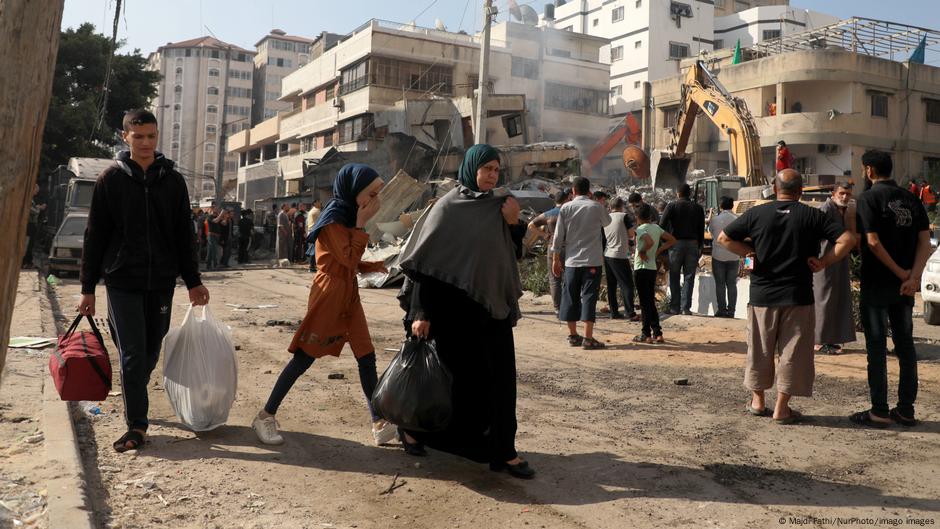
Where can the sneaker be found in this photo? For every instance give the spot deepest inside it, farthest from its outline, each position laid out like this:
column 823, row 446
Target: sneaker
column 383, row 432
column 266, row 429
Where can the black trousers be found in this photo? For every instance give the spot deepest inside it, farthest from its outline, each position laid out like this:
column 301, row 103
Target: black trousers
column 646, row 291
column 301, row 362
column 619, row 275
column 243, row 244
column 139, row 319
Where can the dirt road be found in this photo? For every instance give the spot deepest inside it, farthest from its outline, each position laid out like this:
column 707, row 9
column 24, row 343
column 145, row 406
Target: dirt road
column 615, row 442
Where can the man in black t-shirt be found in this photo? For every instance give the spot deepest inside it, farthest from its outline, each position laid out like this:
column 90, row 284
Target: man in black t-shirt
column 895, row 236
column 784, row 242
column 684, row 220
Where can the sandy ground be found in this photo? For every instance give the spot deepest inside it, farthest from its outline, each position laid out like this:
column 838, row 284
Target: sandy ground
column 615, row 442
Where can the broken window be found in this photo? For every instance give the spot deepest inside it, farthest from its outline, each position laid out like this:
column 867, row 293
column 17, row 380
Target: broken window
column 670, row 117
column 513, row 125
column 576, row 98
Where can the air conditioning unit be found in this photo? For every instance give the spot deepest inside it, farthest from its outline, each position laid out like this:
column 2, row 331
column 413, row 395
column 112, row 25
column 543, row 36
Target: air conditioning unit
column 680, row 10
column 337, row 103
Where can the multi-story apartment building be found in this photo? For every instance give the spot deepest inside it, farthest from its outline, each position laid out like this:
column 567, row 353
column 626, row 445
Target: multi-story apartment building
column 553, row 81
column 278, row 55
column 830, row 105
column 759, row 24
column 204, row 95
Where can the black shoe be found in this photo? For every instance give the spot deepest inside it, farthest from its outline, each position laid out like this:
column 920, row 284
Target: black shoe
column 899, row 418
column 519, row 470
column 686, row 312
column 671, row 311
column 412, row 449
column 616, row 316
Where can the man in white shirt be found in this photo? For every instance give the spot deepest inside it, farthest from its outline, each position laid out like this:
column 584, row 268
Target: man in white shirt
column 619, row 233
column 725, row 263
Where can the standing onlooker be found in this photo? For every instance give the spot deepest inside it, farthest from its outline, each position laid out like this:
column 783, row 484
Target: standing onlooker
column 832, row 289
column 784, row 158
column 895, row 248
column 577, row 238
column 34, row 227
column 617, row 260
column 928, row 197
column 139, row 260
column 270, row 228
column 649, row 244
column 312, row 216
column 914, row 187
column 684, row 220
column 636, row 200
column 725, row 264
column 785, row 237
column 214, row 229
column 544, row 225
column 225, row 241
column 246, row 229
column 283, row 233
column 300, row 233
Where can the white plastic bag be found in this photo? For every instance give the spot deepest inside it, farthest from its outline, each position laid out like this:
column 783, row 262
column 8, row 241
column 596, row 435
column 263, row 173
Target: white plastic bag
column 200, row 372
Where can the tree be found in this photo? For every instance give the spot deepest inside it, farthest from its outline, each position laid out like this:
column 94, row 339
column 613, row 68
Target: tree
column 29, row 32
column 74, row 127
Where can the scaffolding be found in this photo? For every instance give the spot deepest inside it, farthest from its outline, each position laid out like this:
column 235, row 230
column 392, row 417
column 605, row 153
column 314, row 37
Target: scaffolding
column 867, row 36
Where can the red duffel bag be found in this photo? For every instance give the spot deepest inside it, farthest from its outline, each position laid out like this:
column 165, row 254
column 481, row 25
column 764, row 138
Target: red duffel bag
column 80, row 365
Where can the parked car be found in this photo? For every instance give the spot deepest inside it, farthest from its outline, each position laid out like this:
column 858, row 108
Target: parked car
column 66, row 251
column 930, row 289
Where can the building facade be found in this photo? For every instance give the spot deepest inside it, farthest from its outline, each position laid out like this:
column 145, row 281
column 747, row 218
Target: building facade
column 829, row 106
column 278, row 54
column 759, row 24
column 385, row 78
column 205, row 95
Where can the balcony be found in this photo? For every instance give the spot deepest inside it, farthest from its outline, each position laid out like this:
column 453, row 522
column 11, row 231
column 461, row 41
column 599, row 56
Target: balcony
column 306, row 122
column 817, row 127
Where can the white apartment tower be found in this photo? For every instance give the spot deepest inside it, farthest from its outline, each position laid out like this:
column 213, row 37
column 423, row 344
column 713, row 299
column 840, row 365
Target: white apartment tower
column 278, row 55
column 205, row 95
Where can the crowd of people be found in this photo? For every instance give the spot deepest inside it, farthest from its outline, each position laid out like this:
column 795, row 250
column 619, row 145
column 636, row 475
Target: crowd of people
column 463, row 284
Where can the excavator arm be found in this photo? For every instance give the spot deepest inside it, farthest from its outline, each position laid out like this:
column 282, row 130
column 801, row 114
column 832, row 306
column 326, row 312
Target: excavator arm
column 702, row 91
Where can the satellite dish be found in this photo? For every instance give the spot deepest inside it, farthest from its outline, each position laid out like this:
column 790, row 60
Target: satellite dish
column 529, row 16
column 439, row 25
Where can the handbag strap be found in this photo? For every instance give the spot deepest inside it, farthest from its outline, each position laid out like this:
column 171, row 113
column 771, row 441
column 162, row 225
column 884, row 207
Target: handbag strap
column 94, row 364
column 91, row 323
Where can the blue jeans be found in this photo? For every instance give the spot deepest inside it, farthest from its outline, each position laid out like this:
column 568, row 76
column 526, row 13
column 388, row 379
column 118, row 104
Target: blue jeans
column 683, row 260
column 875, row 321
column 726, row 282
column 212, row 254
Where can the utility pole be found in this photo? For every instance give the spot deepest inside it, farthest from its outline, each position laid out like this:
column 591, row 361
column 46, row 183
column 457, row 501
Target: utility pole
column 220, row 148
column 479, row 133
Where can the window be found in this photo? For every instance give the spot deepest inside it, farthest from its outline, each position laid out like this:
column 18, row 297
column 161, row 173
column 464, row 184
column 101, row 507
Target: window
column 210, row 147
column 616, row 91
column 670, row 117
column 559, row 53
column 513, row 125
column 213, row 91
column 175, row 145
column 576, row 98
column 243, row 75
column 212, row 109
column 639, row 3
column 357, row 128
column 678, row 50
column 354, row 78
column 211, row 131
column 179, row 75
column 617, row 14
column 636, row 84
column 771, row 34
column 237, row 91
column 214, row 54
column 269, row 113
column 933, row 110
column 208, row 168
column 596, row 22
column 272, row 96
column 879, row 105
column 237, row 110
column 522, row 67
column 394, row 73
column 331, row 93
column 213, row 72
column 741, row 5
column 638, row 44
column 718, row 44
column 616, row 54
column 328, row 138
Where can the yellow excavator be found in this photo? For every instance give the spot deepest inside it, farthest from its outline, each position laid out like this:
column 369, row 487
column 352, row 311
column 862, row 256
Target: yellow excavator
column 702, row 92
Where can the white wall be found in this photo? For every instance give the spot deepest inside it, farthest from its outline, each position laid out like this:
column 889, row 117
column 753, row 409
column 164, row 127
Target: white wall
column 749, row 25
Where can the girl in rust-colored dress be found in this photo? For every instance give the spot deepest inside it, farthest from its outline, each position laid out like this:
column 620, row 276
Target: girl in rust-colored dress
column 334, row 311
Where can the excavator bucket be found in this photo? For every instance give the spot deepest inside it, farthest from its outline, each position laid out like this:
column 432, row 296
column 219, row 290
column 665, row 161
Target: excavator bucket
column 637, row 161
column 669, row 171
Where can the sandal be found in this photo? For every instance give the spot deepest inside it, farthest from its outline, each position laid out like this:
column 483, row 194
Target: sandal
column 642, row 338
column 766, row 412
column 792, row 418
column 900, row 419
column 133, row 437
column 658, row 339
column 591, row 343
column 575, row 340
column 863, row 418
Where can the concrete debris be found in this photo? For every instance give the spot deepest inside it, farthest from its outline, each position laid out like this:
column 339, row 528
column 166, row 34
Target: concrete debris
column 397, row 195
column 336, row 376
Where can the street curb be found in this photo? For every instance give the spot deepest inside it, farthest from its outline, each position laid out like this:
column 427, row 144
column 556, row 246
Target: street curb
column 67, row 503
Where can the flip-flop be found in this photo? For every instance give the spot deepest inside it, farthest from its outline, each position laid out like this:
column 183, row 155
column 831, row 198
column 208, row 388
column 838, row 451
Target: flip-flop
column 863, row 418
column 766, row 412
column 132, row 436
column 793, row 418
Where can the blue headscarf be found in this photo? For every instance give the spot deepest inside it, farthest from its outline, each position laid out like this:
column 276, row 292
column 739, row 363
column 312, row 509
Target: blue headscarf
column 475, row 157
column 342, row 208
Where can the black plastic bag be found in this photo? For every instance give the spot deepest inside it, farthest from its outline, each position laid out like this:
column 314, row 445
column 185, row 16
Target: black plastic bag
column 414, row 392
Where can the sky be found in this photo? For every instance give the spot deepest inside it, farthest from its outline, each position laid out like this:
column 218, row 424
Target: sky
column 147, row 25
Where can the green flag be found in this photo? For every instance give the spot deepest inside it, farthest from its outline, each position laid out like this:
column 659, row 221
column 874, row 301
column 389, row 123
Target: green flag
column 737, row 53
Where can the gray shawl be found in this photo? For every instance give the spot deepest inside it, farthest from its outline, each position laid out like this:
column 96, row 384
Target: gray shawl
column 465, row 242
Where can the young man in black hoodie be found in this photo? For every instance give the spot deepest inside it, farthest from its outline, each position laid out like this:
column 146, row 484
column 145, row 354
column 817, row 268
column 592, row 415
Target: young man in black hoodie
column 139, row 239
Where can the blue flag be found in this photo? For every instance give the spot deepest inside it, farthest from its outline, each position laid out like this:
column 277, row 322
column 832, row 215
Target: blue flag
column 920, row 51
